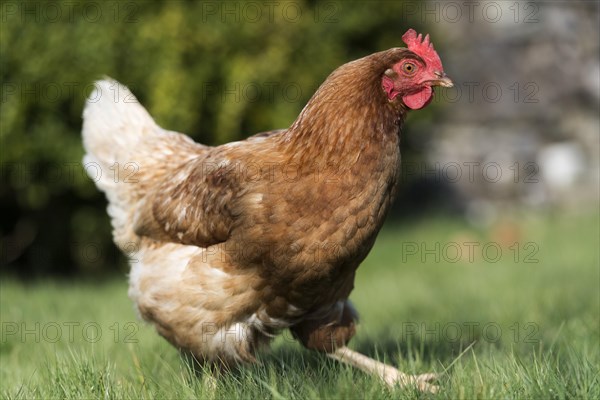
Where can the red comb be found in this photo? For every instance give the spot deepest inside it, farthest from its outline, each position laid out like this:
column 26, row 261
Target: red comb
column 423, row 49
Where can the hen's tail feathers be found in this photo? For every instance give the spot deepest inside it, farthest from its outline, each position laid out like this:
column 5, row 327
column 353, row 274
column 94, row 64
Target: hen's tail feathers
column 126, row 152
column 113, row 122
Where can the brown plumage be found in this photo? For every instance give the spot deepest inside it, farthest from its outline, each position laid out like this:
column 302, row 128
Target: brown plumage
column 236, row 242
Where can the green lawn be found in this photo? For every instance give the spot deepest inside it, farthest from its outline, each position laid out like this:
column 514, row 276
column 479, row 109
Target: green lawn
column 498, row 326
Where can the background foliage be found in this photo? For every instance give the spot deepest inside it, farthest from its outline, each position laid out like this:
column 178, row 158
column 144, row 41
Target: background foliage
column 217, row 71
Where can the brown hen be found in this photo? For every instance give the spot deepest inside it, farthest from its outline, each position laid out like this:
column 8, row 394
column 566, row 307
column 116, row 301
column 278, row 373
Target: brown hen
column 231, row 244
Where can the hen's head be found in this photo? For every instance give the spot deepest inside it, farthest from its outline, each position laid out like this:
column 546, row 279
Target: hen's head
column 414, row 75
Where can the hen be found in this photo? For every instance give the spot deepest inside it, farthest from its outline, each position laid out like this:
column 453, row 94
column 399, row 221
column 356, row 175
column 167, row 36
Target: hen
column 231, row 244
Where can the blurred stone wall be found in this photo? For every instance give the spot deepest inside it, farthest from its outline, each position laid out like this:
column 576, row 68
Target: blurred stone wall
column 521, row 125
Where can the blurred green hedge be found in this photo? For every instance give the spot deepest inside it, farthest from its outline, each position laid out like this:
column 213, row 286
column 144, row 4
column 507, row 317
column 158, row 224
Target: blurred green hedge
column 218, row 71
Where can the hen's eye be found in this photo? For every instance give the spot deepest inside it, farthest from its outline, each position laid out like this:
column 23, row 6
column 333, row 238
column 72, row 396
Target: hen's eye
column 409, row 68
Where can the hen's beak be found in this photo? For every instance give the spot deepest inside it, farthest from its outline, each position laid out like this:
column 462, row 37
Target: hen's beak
column 442, row 80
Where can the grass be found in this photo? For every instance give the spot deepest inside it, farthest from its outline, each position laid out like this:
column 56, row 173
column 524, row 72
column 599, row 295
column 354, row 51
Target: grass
column 497, row 327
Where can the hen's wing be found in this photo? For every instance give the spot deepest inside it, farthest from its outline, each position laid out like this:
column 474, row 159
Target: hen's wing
column 192, row 206
column 197, row 203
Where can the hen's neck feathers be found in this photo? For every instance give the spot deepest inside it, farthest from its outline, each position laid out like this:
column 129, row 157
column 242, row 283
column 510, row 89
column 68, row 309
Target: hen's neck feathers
column 348, row 112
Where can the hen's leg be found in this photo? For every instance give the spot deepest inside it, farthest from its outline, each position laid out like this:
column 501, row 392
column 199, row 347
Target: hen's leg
column 387, row 373
column 331, row 334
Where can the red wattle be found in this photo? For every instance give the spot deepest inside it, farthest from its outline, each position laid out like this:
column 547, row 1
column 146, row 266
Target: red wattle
column 418, row 100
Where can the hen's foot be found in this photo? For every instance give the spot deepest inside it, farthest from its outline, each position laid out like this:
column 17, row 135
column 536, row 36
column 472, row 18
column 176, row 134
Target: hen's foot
column 390, row 375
